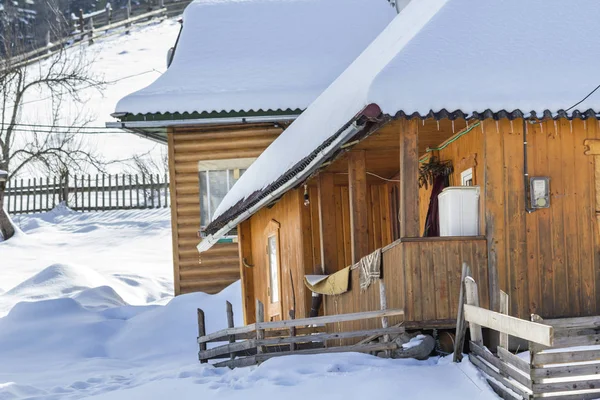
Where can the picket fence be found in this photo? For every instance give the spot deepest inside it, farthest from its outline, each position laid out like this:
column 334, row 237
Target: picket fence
column 87, row 193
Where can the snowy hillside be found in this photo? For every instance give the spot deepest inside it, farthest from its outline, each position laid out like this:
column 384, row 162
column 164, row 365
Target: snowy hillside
column 86, row 310
column 128, row 63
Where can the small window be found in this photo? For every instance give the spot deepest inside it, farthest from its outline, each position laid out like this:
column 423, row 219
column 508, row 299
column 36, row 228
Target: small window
column 216, row 178
column 273, row 268
column 466, row 177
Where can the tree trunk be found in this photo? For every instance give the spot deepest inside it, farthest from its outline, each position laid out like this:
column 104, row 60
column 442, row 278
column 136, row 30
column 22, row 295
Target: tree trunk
column 6, row 228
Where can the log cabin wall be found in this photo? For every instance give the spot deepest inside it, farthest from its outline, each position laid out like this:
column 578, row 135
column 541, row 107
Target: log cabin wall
column 548, row 261
column 218, row 267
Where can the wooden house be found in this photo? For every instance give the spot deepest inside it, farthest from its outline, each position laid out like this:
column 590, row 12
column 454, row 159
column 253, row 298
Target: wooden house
column 241, row 72
column 497, row 95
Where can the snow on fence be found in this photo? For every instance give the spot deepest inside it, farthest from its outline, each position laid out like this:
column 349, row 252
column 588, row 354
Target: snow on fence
column 563, row 358
column 255, row 343
column 95, row 26
column 87, row 193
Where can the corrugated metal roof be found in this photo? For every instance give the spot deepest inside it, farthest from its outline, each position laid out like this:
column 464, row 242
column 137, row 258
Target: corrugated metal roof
column 244, row 55
column 537, row 58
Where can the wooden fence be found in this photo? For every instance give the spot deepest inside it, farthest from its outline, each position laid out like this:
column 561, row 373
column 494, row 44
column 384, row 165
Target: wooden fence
column 563, row 362
column 255, row 343
column 87, row 193
column 95, row 27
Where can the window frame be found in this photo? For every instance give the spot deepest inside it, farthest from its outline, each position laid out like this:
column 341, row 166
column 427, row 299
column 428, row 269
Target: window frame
column 208, row 166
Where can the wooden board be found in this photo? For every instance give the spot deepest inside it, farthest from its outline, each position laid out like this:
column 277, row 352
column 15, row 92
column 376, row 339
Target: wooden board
column 532, row 331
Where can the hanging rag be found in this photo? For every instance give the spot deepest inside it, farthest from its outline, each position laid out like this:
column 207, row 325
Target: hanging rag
column 370, row 269
column 329, row 285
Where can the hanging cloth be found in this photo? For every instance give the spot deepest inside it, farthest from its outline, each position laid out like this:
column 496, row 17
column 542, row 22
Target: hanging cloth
column 432, row 222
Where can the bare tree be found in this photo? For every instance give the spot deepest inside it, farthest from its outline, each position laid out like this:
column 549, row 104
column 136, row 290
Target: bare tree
column 54, row 147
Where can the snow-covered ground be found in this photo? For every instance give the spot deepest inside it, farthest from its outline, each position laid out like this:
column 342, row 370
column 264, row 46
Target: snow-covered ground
column 87, row 310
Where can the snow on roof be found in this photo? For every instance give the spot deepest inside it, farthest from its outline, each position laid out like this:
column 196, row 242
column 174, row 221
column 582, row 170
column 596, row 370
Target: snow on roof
column 437, row 55
column 244, row 55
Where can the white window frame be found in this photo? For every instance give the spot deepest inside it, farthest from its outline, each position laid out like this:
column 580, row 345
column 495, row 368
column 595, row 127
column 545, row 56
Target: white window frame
column 466, row 176
column 209, row 166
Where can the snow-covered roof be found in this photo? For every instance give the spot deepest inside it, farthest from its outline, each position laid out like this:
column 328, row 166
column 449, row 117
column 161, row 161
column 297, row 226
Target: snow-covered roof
column 251, row 55
column 446, row 58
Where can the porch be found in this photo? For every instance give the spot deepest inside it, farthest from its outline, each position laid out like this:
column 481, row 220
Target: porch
column 419, row 275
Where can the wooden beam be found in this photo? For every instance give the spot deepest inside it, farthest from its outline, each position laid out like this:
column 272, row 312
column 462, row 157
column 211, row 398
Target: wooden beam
column 409, row 183
column 247, row 272
column 359, row 221
column 329, row 319
column 327, row 224
column 472, row 296
column 538, row 333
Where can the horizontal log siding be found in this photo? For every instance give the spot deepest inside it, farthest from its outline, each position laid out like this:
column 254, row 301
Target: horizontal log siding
column 218, row 267
column 422, row 277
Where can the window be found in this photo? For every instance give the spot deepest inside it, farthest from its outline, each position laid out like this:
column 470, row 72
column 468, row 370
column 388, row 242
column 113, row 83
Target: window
column 216, row 178
column 466, row 177
column 273, row 268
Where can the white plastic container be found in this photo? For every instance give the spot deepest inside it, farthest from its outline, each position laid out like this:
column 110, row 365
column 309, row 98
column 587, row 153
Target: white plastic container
column 459, row 211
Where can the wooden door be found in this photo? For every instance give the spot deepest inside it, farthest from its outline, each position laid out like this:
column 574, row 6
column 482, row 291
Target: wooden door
column 274, row 308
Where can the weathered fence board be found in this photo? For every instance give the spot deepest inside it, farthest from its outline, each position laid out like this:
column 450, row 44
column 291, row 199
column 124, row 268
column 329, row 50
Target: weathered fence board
column 87, row 193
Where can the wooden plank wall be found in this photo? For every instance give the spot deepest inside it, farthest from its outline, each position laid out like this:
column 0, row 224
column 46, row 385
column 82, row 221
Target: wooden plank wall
column 289, row 212
column 218, row 267
column 548, row 260
column 380, row 230
column 422, row 276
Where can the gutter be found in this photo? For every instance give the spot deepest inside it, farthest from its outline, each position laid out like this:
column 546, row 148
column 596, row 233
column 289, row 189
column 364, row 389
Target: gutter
column 337, row 143
column 197, row 121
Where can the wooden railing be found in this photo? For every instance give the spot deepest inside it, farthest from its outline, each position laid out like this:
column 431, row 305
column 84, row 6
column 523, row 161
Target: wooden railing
column 564, row 354
column 87, row 193
column 422, row 277
column 254, row 343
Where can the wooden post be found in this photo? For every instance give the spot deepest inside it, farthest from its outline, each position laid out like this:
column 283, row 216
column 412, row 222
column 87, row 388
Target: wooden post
column 359, row 222
column 327, row 224
column 472, row 295
column 34, row 195
column 96, row 194
column 260, row 317
column 130, row 192
column 137, row 191
column 144, row 191
column 89, row 188
column 461, row 326
column 123, row 194
column 166, row 189
column 158, row 196
column 409, row 183
column 103, row 194
column 229, row 310
column 504, row 307
column 292, row 330
column 201, row 332
column 246, row 271
column 91, row 39
column 152, row 190
column 28, row 191
column 384, row 320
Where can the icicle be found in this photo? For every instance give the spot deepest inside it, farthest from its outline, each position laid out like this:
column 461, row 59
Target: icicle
column 542, row 127
column 481, row 126
column 423, row 121
column 438, row 124
column 555, row 128
column 512, row 127
column 497, row 126
column 467, row 121
column 571, row 125
column 585, row 124
column 453, row 132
